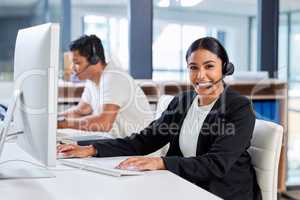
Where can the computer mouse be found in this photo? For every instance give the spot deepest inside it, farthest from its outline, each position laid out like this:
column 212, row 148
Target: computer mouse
column 132, row 168
column 63, row 156
column 60, row 155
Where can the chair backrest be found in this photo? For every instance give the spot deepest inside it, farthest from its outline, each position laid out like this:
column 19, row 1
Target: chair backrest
column 162, row 104
column 265, row 152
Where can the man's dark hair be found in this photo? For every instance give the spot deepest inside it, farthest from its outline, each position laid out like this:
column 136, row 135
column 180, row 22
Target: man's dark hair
column 85, row 45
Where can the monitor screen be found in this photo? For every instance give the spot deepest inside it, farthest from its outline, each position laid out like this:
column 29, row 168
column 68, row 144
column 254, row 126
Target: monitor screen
column 36, row 76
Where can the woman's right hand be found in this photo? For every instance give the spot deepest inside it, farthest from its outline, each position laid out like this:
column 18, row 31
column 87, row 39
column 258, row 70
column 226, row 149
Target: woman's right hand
column 73, row 150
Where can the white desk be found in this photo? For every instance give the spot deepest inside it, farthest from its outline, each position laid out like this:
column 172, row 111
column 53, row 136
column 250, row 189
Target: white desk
column 73, row 184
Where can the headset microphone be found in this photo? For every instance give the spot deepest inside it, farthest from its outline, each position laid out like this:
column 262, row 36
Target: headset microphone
column 210, row 84
column 78, row 73
column 214, row 83
column 227, row 70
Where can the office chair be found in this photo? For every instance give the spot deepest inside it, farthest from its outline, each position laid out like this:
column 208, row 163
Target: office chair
column 265, row 152
column 161, row 106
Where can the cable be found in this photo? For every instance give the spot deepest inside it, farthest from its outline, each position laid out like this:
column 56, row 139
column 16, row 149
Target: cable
column 15, row 133
column 25, row 161
column 12, row 136
column 37, row 165
column 9, row 139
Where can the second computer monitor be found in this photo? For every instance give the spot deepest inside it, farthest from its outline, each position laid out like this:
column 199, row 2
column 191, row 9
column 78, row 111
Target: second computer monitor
column 36, row 76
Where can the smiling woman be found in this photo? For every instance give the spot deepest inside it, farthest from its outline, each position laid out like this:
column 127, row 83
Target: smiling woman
column 208, row 64
column 209, row 131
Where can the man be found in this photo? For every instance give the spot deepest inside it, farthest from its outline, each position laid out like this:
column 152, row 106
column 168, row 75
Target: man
column 111, row 101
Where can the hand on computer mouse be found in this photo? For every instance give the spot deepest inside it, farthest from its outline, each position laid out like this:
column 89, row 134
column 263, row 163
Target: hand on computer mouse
column 130, row 168
column 62, row 123
column 76, row 150
column 63, row 156
column 142, row 163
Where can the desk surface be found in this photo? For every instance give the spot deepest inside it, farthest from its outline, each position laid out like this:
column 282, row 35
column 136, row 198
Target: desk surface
column 76, row 184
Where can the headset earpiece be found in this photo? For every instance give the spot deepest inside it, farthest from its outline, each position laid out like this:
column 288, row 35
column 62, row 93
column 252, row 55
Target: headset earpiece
column 228, row 69
column 95, row 58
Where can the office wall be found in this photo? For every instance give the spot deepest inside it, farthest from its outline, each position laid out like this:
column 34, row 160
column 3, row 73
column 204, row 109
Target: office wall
column 9, row 29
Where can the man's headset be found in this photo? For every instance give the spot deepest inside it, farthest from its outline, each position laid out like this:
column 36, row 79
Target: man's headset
column 93, row 60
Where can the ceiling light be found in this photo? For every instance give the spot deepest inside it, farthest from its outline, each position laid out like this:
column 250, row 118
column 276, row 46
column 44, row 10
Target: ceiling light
column 297, row 37
column 189, row 3
column 94, row 19
column 164, row 3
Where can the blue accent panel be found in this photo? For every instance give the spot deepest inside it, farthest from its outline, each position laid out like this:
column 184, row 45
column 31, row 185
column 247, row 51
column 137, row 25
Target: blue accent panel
column 267, row 110
column 140, row 38
column 277, row 112
column 267, row 36
column 66, row 24
column 257, row 109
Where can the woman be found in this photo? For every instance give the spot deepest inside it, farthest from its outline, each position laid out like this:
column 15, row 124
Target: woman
column 209, row 131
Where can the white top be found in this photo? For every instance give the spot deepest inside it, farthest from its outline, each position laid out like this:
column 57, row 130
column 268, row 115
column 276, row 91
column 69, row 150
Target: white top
column 191, row 127
column 117, row 87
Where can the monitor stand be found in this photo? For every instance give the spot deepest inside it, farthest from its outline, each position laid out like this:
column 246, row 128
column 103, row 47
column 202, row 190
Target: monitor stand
column 19, row 169
column 24, row 173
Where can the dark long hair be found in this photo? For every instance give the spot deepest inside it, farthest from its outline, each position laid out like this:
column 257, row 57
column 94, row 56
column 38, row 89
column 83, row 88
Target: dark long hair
column 211, row 44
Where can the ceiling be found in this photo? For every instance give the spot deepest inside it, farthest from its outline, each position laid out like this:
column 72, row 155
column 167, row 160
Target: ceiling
column 16, row 7
column 16, row 3
column 234, row 7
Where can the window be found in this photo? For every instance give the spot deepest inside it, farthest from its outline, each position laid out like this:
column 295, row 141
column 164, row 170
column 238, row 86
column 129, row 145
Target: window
column 282, row 46
column 106, row 19
column 293, row 44
column 295, row 47
column 113, row 33
column 177, row 23
column 12, row 20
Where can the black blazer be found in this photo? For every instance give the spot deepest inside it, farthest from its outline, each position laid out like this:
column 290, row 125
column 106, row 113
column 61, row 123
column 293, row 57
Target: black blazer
column 222, row 164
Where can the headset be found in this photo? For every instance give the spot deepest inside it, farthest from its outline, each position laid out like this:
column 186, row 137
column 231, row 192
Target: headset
column 93, row 60
column 227, row 70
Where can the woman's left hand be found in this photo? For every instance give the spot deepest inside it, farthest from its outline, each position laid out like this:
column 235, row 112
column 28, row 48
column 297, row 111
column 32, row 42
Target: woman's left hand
column 142, row 163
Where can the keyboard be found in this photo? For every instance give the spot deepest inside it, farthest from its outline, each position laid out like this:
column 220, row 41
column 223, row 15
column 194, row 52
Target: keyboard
column 75, row 135
column 101, row 165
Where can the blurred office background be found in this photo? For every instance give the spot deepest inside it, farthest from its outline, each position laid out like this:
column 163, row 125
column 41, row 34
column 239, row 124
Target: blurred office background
column 175, row 24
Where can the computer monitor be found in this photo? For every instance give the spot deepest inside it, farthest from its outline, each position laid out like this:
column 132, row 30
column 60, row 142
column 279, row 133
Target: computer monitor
column 36, row 63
